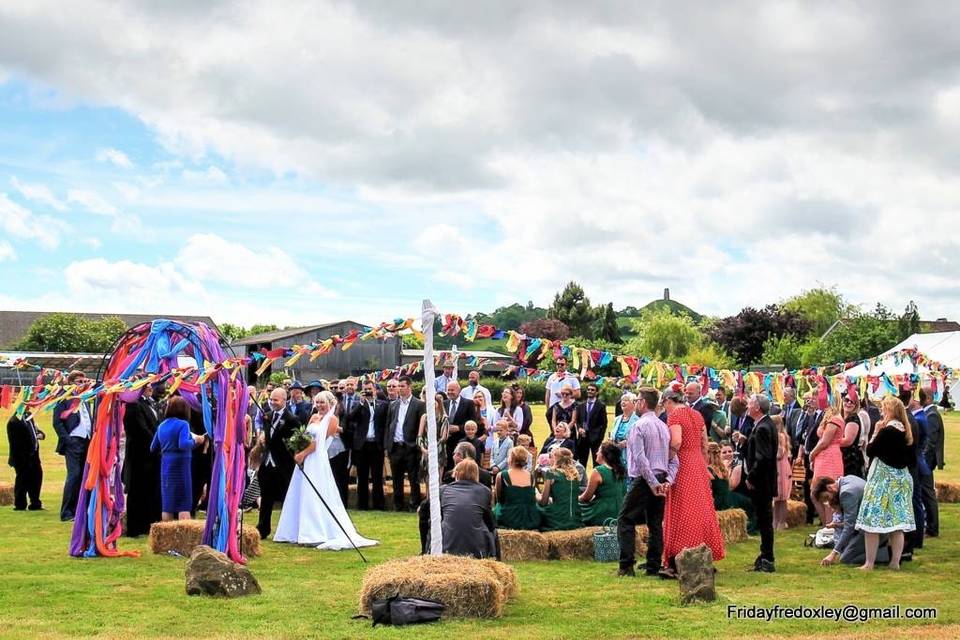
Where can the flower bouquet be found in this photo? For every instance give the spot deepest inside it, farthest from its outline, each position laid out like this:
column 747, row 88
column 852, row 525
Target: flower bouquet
column 299, row 441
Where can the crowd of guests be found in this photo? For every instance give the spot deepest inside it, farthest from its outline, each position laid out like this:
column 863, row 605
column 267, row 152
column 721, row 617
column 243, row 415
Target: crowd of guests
column 671, row 459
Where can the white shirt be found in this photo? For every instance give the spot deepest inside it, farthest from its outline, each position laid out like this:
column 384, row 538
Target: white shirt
column 468, row 392
column 517, row 416
column 401, row 416
column 82, row 430
column 440, row 383
column 371, row 431
column 558, row 381
column 268, row 461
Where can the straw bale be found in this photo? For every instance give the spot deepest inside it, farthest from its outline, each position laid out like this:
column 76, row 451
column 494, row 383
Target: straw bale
column 733, row 525
column 468, row 588
column 183, row 536
column 6, row 494
column 946, row 492
column 520, row 546
column 575, row 544
column 796, row 513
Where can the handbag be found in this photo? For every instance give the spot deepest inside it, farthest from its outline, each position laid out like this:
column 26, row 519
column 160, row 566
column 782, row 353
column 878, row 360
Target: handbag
column 606, row 543
column 402, row 611
column 822, row 539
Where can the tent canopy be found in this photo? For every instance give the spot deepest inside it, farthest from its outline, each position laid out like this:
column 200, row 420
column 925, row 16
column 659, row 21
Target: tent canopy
column 943, row 347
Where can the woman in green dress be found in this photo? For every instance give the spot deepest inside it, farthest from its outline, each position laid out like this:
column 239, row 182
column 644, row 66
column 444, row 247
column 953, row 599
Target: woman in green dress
column 516, row 494
column 603, row 497
column 723, row 497
column 561, row 487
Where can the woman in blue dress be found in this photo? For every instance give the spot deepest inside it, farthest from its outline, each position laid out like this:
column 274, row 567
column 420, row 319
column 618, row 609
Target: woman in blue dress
column 176, row 443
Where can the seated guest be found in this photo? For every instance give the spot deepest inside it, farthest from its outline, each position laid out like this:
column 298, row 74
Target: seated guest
column 499, row 444
column 561, row 487
column 175, row 443
column 723, row 498
column 468, row 524
column 844, row 496
column 466, row 451
column 516, row 494
column 603, row 497
column 560, row 438
column 526, row 441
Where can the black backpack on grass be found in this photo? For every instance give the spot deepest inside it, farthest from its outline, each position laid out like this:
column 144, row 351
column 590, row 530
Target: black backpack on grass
column 400, row 611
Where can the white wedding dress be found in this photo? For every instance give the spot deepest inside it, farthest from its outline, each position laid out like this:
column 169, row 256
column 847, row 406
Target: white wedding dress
column 304, row 519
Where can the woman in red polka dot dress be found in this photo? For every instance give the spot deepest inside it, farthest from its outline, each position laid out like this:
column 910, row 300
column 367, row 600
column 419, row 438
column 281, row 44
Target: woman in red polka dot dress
column 689, row 518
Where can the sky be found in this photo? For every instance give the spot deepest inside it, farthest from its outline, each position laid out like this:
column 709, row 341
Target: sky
column 301, row 162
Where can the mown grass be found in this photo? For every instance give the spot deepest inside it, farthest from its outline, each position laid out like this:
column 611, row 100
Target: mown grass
column 308, row 593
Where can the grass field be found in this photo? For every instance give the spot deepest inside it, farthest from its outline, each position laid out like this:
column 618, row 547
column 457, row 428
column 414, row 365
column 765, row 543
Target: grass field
column 309, row 593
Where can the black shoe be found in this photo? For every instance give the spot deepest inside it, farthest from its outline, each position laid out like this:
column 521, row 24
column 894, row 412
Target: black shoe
column 765, row 566
column 931, row 534
column 19, row 508
column 628, row 572
column 907, row 556
column 651, row 572
column 35, row 507
column 756, row 563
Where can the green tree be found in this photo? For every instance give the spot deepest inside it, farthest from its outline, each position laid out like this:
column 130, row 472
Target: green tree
column 710, row 355
column 606, row 325
column 572, row 307
column 260, row 328
column 662, row 335
column 909, row 322
column 785, row 350
column 863, row 335
column 821, row 307
column 231, row 332
column 411, row 341
column 72, row 333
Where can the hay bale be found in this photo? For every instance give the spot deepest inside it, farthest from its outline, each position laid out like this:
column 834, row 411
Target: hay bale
column 468, row 588
column 6, row 494
column 796, row 513
column 946, row 492
column 183, row 536
column 733, row 525
column 575, row 544
column 520, row 546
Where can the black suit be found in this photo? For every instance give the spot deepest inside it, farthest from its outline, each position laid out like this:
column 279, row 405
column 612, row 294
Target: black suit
column 465, row 410
column 25, row 460
column 933, row 454
column 791, row 414
column 760, row 464
column 74, row 451
column 277, row 465
column 141, row 467
column 367, row 452
column 404, row 453
column 595, row 428
column 301, row 410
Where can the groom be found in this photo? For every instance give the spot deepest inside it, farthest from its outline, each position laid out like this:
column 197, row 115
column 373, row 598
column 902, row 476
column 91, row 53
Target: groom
column 276, row 467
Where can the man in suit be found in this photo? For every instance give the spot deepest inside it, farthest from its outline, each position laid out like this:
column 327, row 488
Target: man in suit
column 791, row 412
column 701, row 404
column 594, row 426
column 24, row 438
column 299, row 406
column 807, row 439
column 918, row 469
column 933, row 454
column 74, row 429
column 363, row 434
column 276, row 466
column 400, row 441
column 760, row 464
column 459, row 411
column 466, row 451
column 141, row 466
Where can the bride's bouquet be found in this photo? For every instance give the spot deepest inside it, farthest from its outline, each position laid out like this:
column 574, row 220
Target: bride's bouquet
column 299, row 441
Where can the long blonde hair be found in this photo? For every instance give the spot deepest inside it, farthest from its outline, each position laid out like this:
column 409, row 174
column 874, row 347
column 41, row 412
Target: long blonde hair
column 714, row 462
column 899, row 413
column 563, row 463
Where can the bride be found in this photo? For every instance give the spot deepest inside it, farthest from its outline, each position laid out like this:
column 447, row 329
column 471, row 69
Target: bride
column 304, row 519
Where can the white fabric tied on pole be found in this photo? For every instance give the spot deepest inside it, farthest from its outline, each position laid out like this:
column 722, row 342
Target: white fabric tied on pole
column 455, row 356
column 433, row 461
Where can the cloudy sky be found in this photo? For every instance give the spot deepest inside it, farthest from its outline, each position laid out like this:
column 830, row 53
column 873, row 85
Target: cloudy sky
column 296, row 162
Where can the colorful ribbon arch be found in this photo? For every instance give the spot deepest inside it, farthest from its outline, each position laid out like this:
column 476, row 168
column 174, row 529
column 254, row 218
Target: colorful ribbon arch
column 153, row 350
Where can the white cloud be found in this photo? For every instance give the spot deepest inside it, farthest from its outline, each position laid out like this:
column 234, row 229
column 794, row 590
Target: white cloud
column 19, row 222
column 211, row 258
column 7, row 251
column 38, row 193
column 92, row 202
column 702, row 149
column 115, row 157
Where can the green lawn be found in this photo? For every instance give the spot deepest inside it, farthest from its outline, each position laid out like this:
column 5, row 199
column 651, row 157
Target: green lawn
column 45, row 593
